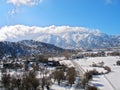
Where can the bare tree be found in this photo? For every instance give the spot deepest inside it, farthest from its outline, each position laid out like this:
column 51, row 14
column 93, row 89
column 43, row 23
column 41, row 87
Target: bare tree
column 66, row 54
column 36, row 67
column 30, row 82
column 71, row 74
column 58, row 75
column 6, row 81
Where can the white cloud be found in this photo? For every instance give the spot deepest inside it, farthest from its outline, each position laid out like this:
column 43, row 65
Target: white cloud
column 24, row 2
column 13, row 11
column 21, row 32
column 19, row 3
column 109, row 1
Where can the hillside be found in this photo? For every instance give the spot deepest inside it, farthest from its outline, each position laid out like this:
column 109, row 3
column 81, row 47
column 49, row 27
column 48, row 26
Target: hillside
column 26, row 48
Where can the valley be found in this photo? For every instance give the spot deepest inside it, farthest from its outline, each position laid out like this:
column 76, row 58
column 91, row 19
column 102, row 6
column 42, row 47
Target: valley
column 97, row 68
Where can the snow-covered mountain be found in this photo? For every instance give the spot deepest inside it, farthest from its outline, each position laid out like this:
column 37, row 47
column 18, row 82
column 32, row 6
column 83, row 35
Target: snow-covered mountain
column 27, row 48
column 62, row 36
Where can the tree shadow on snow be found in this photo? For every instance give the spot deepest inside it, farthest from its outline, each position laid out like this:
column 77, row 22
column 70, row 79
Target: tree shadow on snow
column 96, row 76
column 98, row 85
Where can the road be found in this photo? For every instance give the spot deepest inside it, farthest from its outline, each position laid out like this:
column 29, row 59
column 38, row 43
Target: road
column 80, row 73
column 79, row 69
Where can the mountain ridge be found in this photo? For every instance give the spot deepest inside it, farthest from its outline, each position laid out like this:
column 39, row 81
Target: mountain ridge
column 61, row 36
column 27, row 48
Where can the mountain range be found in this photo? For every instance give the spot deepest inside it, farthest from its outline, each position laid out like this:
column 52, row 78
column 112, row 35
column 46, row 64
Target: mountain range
column 61, row 36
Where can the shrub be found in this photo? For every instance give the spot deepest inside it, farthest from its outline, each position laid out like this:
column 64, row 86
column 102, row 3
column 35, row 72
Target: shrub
column 107, row 68
column 88, row 75
column 118, row 62
column 94, row 65
column 94, row 72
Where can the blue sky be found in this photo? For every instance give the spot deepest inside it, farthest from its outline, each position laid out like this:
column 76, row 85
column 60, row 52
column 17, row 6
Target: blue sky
column 95, row 14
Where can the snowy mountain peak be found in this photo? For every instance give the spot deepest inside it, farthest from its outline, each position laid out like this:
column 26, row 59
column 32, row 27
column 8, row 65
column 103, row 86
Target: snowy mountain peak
column 62, row 36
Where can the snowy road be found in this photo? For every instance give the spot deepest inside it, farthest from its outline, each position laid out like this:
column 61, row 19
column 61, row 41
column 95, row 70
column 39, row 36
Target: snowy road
column 79, row 69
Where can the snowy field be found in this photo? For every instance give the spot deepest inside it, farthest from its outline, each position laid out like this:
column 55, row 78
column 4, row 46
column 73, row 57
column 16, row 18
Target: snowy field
column 110, row 81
